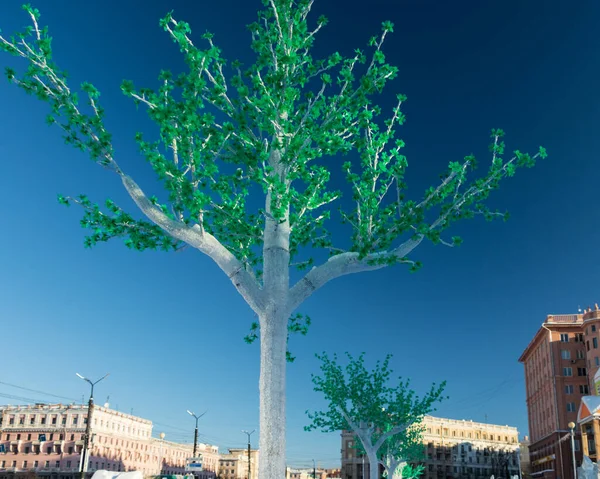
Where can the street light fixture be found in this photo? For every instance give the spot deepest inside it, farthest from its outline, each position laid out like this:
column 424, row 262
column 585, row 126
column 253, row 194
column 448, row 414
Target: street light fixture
column 88, row 426
column 196, row 430
column 249, row 450
column 572, row 428
column 160, row 463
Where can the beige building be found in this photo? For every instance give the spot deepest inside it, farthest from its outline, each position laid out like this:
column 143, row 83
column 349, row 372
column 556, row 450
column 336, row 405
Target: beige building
column 295, row 473
column 453, row 449
column 48, row 440
column 235, row 464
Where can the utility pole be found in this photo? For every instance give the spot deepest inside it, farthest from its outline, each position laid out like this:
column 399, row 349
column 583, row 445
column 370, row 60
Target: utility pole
column 196, row 430
column 572, row 428
column 88, row 426
column 314, row 470
column 249, row 464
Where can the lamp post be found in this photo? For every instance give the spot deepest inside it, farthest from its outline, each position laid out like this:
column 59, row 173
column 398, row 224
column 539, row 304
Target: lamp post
column 160, row 461
column 249, row 466
column 572, row 428
column 196, row 430
column 314, row 470
column 88, row 426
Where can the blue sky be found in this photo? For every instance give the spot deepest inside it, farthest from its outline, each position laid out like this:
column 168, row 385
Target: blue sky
column 169, row 327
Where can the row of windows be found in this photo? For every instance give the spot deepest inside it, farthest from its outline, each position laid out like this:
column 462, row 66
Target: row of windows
column 578, row 337
column 583, row 389
column 36, row 419
column 566, row 354
column 569, row 371
column 40, row 437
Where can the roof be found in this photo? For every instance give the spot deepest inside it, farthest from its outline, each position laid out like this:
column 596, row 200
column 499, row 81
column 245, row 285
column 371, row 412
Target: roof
column 590, row 406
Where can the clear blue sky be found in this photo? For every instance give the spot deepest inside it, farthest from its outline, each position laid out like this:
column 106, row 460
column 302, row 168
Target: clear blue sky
column 169, row 327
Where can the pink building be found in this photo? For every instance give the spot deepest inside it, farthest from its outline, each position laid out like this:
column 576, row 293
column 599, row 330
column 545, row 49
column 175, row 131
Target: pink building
column 48, row 440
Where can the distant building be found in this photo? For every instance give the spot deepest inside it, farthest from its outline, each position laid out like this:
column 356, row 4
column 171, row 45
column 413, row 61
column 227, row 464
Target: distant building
column 453, row 449
column 560, row 363
column 47, row 440
column 235, row 464
column 306, row 473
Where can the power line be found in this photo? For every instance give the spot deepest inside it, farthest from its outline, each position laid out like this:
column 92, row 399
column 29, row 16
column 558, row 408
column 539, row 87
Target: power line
column 37, row 391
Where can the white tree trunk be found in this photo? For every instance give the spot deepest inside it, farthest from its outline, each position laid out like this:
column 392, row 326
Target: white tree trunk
column 273, row 338
column 373, row 464
column 273, row 333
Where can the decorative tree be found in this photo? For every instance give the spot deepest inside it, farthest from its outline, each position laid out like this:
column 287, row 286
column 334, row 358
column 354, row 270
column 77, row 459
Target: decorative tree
column 385, row 419
column 265, row 125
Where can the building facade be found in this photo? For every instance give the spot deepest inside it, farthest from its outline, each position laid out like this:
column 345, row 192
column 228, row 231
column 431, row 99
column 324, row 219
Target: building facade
column 234, row 465
column 48, row 440
column 453, row 449
column 560, row 363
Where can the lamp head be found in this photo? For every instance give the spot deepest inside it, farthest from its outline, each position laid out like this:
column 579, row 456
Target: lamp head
column 571, row 425
column 162, row 435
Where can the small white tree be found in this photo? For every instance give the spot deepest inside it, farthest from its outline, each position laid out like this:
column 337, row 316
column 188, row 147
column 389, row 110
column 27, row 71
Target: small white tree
column 386, row 420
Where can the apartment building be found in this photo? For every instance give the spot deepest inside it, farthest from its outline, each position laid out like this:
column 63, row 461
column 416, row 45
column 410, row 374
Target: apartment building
column 234, row 465
column 560, row 363
column 48, row 440
column 453, row 449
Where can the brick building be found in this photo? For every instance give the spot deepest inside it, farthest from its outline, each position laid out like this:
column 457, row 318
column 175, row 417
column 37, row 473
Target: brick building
column 560, row 363
column 235, row 464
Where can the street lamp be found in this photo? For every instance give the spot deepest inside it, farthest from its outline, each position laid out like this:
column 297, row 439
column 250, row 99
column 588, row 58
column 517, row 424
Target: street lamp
column 162, row 438
column 249, row 466
column 572, row 428
column 88, row 426
column 196, row 430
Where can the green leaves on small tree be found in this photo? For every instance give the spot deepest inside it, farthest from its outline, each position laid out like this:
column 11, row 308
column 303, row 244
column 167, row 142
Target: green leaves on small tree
column 385, row 418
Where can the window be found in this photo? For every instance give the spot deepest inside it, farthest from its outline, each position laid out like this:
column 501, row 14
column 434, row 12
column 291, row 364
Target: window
column 18, row 437
column 75, row 421
column 24, row 464
column 587, row 345
column 3, row 464
column 579, row 338
column 11, row 420
column 43, row 420
column 48, row 450
column 570, row 407
column 29, row 437
column 35, row 463
column 27, row 450
column 593, row 328
column 595, row 343
column 565, row 354
column 71, row 450
column 57, row 464
column 581, row 372
column 64, row 421
column 68, row 463
column 51, row 437
column 567, row 372
column 584, row 389
column 54, row 420
column 564, row 338
column 580, row 354
column 47, row 464
column 32, row 420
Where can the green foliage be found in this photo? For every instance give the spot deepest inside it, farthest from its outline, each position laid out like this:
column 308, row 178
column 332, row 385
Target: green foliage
column 363, row 400
column 290, row 106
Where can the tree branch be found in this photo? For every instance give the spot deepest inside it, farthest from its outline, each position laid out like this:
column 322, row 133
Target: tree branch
column 246, row 285
column 343, row 264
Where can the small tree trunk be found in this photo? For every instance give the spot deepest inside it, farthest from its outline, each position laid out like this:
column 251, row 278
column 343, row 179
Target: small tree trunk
column 273, row 335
